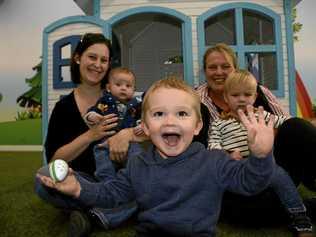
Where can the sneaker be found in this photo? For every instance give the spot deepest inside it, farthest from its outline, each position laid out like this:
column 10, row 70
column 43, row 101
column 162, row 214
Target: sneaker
column 80, row 225
column 301, row 225
column 310, row 204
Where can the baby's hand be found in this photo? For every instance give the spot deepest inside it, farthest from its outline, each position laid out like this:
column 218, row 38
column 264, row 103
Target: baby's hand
column 93, row 118
column 235, row 155
column 138, row 130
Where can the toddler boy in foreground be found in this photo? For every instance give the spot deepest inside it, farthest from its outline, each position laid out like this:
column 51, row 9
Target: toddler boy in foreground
column 178, row 185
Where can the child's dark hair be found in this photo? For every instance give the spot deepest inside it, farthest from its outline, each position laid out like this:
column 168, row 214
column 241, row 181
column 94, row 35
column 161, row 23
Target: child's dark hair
column 85, row 42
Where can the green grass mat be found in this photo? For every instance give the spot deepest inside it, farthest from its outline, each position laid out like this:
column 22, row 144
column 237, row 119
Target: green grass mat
column 24, row 132
column 22, row 213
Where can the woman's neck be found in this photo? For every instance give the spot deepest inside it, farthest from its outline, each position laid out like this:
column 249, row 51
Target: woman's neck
column 89, row 91
column 218, row 99
column 86, row 96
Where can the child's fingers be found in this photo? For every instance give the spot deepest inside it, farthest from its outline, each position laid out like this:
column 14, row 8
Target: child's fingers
column 70, row 171
column 47, row 181
column 251, row 115
column 243, row 118
column 271, row 121
column 261, row 115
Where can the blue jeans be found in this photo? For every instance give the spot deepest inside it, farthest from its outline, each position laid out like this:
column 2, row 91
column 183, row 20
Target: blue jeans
column 280, row 200
column 284, row 187
column 109, row 217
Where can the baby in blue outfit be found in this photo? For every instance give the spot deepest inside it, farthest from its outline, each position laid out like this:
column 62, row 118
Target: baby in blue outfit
column 117, row 99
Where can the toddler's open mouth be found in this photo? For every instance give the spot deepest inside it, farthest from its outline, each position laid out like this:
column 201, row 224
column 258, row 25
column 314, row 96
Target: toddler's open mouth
column 171, row 139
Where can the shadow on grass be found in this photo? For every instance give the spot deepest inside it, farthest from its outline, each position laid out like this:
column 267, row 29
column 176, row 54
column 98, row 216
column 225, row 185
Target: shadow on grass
column 22, row 213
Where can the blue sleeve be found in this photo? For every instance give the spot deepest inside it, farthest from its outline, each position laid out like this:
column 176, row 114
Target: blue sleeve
column 246, row 177
column 107, row 194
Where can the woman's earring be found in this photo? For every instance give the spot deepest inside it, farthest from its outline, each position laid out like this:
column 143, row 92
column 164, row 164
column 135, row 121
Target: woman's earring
column 78, row 62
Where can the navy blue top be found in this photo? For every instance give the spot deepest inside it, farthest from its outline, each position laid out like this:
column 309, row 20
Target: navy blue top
column 128, row 113
column 66, row 124
column 179, row 196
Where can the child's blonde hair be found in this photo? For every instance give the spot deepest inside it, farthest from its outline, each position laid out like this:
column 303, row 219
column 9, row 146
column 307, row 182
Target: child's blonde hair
column 240, row 79
column 172, row 82
column 123, row 70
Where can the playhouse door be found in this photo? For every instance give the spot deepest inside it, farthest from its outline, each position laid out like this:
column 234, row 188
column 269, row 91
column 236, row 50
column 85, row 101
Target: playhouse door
column 150, row 44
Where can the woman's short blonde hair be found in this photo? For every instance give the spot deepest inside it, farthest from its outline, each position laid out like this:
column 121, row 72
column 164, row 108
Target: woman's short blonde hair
column 172, row 82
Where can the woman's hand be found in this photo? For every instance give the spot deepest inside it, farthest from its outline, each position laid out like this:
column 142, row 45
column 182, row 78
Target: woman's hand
column 69, row 186
column 104, row 127
column 118, row 144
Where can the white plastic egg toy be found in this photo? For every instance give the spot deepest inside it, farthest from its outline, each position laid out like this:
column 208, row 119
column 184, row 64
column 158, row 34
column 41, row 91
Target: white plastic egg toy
column 58, row 170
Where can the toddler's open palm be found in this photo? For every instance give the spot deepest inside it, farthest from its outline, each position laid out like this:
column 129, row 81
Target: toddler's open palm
column 260, row 133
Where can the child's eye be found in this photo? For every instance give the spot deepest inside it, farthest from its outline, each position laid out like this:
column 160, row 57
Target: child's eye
column 182, row 114
column 158, row 114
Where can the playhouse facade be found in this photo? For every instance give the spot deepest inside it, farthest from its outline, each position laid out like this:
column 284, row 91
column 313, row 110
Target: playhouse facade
column 156, row 38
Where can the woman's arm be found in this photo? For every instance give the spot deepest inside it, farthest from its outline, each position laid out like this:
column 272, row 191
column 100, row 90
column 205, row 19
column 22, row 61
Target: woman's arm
column 119, row 143
column 74, row 148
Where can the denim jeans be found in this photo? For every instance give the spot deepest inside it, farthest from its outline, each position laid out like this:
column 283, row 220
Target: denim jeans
column 276, row 203
column 109, row 217
column 284, row 187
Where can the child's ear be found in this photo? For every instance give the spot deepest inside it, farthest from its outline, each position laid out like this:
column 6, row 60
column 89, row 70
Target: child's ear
column 145, row 128
column 198, row 128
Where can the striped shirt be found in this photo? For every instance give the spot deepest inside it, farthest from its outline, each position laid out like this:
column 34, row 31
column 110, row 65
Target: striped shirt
column 230, row 134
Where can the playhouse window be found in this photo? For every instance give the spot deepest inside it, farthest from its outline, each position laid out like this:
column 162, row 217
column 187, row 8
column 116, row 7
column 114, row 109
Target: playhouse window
column 220, row 29
column 62, row 51
column 254, row 34
column 151, row 45
column 258, row 29
column 263, row 67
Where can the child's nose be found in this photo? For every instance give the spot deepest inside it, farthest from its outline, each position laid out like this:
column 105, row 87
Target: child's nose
column 170, row 119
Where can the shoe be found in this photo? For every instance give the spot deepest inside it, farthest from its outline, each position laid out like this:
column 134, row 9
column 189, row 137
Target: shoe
column 301, row 225
column 310, row 204
column 80, row 225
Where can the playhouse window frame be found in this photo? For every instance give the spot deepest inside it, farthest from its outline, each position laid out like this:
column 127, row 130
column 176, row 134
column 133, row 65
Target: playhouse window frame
column 240, row 47
column 59, row 62
column 186, row 28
